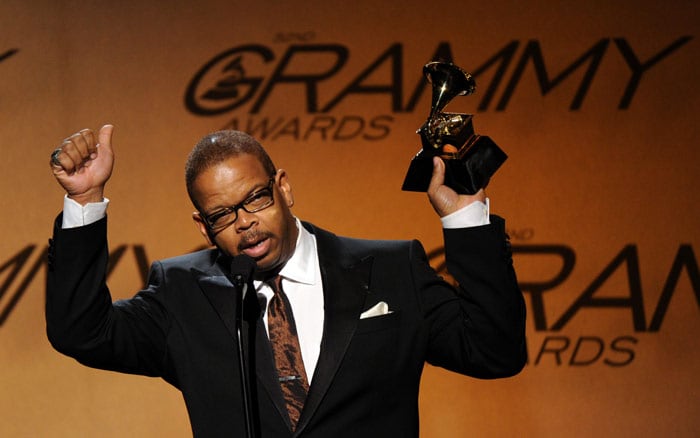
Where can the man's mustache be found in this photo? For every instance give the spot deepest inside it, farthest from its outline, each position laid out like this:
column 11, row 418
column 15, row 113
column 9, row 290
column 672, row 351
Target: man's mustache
column 250, row 238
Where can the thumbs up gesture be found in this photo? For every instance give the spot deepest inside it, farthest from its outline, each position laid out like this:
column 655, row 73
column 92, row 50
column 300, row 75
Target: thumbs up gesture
column 83, row 164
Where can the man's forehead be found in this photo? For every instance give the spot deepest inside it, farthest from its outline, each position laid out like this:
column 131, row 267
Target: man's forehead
column 230, row 180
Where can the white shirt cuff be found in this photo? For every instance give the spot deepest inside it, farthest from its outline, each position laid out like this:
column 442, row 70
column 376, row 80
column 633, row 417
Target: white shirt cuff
column 473, row 215
column 76, row 215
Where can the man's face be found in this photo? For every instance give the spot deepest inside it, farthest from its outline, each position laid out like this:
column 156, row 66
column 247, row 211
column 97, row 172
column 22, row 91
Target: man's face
column 269, row 235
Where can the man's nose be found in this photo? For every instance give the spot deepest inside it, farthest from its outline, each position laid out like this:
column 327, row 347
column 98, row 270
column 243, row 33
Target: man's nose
column 245, row 220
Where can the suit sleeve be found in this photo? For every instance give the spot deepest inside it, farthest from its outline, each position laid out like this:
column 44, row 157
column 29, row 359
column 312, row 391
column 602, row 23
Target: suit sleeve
column 478, row 328
column 81, row 320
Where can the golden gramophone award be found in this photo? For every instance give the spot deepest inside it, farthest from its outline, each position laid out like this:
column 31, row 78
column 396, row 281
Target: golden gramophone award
column 470, row 159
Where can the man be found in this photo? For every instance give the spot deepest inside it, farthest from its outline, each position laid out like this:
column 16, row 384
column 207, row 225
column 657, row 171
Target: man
column 368, row 314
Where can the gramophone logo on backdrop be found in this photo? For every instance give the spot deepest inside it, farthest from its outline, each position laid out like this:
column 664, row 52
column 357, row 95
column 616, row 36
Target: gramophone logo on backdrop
column 247, row 82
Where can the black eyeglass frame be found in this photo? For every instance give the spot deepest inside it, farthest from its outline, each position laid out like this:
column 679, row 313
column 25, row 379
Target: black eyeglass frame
column 210, row 219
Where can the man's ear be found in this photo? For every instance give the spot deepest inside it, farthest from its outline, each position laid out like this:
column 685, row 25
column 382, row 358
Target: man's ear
column 285, row 187
column 202, row 227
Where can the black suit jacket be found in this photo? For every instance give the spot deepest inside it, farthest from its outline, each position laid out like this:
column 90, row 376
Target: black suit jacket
column 181, row 327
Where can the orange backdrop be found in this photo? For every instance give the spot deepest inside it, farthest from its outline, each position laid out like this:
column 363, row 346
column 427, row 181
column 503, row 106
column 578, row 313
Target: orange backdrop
column 595, row 102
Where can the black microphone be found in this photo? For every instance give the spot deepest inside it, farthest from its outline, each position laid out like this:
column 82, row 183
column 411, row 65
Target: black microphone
column 242, row 268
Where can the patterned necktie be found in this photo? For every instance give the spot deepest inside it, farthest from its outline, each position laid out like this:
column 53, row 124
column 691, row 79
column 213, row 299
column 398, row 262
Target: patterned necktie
column 287, row 352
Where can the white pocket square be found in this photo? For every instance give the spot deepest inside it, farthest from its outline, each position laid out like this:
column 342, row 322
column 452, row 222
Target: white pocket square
column 379, row 309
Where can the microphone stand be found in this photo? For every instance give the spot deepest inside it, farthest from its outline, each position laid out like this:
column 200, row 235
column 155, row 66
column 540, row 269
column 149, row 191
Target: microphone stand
column 240, row 282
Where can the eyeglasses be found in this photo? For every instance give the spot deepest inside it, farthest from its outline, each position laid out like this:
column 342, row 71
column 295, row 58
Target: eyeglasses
column 257, row 201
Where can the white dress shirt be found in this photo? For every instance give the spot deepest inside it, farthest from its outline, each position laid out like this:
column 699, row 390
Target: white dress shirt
column 301, row 282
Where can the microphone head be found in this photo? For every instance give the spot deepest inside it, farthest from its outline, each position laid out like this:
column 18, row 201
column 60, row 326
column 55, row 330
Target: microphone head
column 242, row 266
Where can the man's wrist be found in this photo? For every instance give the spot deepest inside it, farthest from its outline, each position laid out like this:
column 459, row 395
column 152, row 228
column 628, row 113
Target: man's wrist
column 94, row 196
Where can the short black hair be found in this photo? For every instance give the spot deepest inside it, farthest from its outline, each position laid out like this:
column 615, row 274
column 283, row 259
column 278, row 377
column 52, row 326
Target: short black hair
column 218, row 146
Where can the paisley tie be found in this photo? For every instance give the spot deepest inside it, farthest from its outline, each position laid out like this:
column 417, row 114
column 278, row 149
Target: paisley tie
column 286, row 351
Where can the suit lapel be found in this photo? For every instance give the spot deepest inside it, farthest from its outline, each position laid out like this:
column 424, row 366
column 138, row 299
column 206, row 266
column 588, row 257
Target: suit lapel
column 219, row 291
column 345, row 286
column 224, row 299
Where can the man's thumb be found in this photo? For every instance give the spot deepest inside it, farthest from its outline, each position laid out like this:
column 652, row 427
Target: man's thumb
column 104, row 137
column 438, row 177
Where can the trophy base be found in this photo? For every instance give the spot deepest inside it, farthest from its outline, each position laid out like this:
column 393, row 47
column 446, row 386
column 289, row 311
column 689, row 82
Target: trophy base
column 465, row 172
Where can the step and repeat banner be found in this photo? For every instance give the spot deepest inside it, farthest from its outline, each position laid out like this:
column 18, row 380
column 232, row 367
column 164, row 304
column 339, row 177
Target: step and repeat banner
column 595, row 103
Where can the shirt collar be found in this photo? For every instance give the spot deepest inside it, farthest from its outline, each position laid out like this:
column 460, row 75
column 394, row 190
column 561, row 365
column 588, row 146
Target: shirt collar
column 301, row 267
